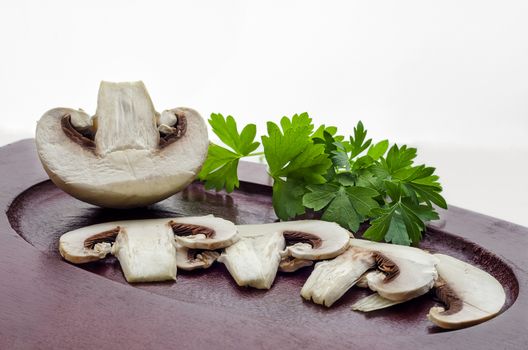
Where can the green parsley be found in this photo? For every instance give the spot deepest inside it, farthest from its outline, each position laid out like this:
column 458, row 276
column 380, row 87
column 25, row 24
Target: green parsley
column 348, row 181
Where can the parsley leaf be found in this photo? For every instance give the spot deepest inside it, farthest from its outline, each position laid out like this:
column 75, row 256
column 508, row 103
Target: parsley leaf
column 346, row 181
column 220, row 168
column 348, row 206
column 357, row 142
column 287, row 198
column 290, row 152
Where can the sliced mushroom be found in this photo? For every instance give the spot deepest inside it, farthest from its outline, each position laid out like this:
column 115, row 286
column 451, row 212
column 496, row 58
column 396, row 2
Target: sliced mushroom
column 332, row 278
column 204, row 232
column 119, row 158
column 289, row 264
column 313, row 239
column 192, row 259
column 142, row 248
column 253, row 260
column 374, row 302
column 470, row 294
column 403, row 272
column 146, row 251
column 89, row 243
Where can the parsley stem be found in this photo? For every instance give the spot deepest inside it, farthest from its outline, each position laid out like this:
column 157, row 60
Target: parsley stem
column 255, row 154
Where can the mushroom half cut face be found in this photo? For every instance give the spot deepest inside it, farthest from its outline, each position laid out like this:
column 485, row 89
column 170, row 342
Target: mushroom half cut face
column 471, row 295
column 127, row 155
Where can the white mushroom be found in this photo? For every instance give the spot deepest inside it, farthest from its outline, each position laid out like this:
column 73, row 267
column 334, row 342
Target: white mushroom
column 404, row 272
column 374, row 302
column 146, row 252
column 204, row 232
column 168, row 118
column 332, row 278
column 89, row 243
column 289, row 264
column 470, row 294
column 142, row 247
column 192, row 259
column 312, row 239
column 119, row 158
column 253, row 260
column 81, row 121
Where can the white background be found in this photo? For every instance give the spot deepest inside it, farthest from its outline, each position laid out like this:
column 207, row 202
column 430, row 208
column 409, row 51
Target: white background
column 450, row 77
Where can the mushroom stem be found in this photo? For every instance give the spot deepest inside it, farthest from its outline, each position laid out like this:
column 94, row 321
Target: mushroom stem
column 123, row 106
column 253, row 261
column 147, row 253
column 331, row 279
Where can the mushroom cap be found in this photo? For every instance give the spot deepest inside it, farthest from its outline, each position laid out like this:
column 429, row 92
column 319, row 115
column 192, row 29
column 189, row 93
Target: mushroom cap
column 475, row 296
column 416, row 272
column 116, row 175
column 206, row 232
column 313, row 239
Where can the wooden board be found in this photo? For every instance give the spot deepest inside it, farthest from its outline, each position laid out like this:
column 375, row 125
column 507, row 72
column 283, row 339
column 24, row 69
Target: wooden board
column 48, row 303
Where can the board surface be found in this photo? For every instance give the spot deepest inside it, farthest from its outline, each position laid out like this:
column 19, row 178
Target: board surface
column 49, row 302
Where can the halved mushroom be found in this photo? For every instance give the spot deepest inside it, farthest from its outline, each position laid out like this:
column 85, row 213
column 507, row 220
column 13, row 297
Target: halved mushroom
column 332, row 278
column 204, row 232
column 192, row 259
column 120, row 158
column 404, row 272
column 471, row 295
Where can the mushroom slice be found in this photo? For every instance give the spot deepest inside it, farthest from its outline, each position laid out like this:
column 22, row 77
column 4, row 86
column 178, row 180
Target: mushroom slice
column 374, row 302
column 119, row 158
column 331, row 279
column 404, row 272
column 471, row 295
column 192, row 259
column 289, row 264
column 146, row 251
column 89, row 243
column 313, row 239
column 253, row 260
column 204, row 232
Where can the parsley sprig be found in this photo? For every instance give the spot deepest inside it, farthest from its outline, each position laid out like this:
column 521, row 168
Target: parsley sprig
column 349, row 181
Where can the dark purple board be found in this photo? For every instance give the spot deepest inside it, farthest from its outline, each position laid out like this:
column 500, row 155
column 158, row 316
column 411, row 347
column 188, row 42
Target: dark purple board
column 44, row 300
